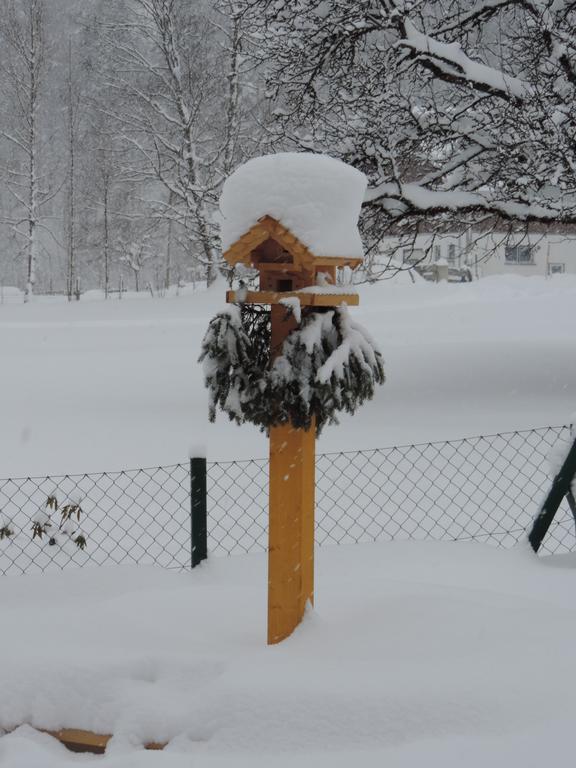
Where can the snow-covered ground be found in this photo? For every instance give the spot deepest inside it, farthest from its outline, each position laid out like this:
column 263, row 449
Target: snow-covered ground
column 417, row 654
column 105, row 385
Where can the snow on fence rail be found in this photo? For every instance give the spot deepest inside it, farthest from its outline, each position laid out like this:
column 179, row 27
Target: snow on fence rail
column 482, row 488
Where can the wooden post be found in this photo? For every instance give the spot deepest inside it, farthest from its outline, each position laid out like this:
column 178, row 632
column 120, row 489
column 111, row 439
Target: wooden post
column 291, row 520
column 287, row 266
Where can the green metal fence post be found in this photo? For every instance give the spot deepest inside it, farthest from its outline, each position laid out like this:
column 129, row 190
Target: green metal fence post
column 561, row 486
column 198, row 511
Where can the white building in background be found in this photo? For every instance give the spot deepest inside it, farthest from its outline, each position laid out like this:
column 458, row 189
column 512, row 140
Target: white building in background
column 493, row 253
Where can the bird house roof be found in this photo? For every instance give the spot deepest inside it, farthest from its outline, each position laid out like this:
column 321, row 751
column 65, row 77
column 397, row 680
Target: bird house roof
column 308, row 203
column 242, row 251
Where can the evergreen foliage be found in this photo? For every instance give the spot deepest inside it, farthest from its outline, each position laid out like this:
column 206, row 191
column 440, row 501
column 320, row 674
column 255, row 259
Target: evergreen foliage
column 327, row 365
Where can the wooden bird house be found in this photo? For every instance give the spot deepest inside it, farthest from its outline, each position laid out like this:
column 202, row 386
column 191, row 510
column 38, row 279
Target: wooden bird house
column 286, row 267
column 294, row 219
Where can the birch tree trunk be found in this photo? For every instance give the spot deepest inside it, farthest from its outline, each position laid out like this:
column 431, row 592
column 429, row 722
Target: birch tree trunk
column 23, row 33
column 106, row 244
column 72, row 121
column 34, row 61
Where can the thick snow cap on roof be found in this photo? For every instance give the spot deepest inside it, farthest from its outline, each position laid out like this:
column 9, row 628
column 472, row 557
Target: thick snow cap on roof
column 316, row 197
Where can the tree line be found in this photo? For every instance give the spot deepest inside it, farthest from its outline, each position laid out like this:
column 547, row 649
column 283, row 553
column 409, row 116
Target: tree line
column 119, row 124
column 120, row 121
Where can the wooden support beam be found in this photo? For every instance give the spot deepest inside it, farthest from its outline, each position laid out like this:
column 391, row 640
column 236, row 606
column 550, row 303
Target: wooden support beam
column 306, row 299
column 291, row 529
column 337, row 261
column 278, row 266
column 291, row 519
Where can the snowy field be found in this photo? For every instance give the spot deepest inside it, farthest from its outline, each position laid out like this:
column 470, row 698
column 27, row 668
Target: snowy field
column 419, row 654
column 416, row 654
column 110, row 385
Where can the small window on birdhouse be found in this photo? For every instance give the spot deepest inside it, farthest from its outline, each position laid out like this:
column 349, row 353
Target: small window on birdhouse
column 283, row 285
column 271, row 252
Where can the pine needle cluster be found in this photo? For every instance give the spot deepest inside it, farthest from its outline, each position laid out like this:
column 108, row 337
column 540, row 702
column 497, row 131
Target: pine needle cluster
column 327, row 365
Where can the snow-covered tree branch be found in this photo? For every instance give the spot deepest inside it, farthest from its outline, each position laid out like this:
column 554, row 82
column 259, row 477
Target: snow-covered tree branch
column 180, row 72
column 453, row 108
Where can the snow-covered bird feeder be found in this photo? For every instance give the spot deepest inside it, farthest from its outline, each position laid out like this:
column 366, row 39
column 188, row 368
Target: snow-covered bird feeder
column 294, row 219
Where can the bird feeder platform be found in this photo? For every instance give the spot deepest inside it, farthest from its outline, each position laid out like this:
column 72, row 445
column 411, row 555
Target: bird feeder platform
column 306, row 299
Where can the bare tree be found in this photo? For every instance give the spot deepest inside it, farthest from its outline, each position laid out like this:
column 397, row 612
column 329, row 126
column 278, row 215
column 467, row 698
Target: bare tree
column 103, row 191
column 23, row 71
column 73, row 115
column 135, row 255
column 133, row 123
column 180, row 72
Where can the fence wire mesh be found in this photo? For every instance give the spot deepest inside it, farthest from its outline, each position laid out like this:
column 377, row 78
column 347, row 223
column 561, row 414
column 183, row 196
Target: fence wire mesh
column 484, row 488
column 139, row 516
column 481, row 488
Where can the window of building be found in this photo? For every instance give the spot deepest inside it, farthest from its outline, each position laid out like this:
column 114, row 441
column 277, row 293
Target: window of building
column 452, row 253
column 412, row 255
column 519, row 254
column 437, row 253
column 556, row 269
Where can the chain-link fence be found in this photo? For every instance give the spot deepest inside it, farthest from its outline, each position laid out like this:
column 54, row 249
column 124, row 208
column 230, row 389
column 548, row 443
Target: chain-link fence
column 486, row 489
column 481, row 488
column 139, row 516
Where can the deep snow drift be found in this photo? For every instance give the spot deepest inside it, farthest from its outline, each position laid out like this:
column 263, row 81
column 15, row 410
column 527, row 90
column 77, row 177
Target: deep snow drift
column 107, row 385
column 417, row 654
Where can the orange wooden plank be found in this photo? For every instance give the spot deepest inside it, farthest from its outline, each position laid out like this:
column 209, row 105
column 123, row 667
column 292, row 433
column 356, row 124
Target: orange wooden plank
column 277, row 266
column 78, row 740
column 306, row 299
column 291, row 529
column 337, row 261
column 291, row 519
column 307, row 528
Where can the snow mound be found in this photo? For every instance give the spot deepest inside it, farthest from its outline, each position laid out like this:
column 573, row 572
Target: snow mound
column 411, row 644
column 316, row 197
